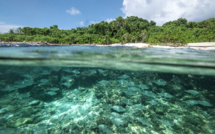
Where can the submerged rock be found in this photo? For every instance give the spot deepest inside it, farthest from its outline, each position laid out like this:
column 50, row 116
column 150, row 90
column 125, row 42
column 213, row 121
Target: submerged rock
column 45, row 72
column 22, row 121
column 52, row 91
column 115, row 115
column 160, row 82
column 18, row 85
column 133, row 89
column 44, row 80
column 123, row 83
column 118, row 122
column 67, row 84
column 103, row 82
column 129, row 93
column 193, row 92
column 8, row 131
column 143, row 121
column 76, row 72
column 136, row 108
column 166, row 95
column 139, row 107
column 160, row 110
column 191, row 102
column 165, row 122
column 8, row 89
column 153, row 102
column 205, row 103
column 34, row 103
column 118, row 109
column 104, row 129
column 202, row 103
column 149, row 94
column 143, row 86
column 3, row 110
column 47, row 94
column 124, row 76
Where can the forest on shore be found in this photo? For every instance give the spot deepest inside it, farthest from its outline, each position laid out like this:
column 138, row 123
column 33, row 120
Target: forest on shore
column 129, row 30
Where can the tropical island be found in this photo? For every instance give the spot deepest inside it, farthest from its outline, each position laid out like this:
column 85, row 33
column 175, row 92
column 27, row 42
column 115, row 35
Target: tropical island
column 129, row 30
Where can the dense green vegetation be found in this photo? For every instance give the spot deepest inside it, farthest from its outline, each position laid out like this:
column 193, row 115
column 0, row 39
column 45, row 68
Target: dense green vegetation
column 132, row 29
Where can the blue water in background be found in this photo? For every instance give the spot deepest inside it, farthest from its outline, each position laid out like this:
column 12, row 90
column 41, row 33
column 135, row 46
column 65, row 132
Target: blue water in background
column 90, row 89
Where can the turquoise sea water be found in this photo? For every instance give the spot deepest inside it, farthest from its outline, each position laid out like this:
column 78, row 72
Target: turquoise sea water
column 89, row 89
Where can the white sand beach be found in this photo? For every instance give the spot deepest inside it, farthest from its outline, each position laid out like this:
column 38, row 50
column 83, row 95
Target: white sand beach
column 201, row 46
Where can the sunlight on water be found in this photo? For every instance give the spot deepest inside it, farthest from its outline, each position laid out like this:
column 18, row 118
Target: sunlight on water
column 80, row 89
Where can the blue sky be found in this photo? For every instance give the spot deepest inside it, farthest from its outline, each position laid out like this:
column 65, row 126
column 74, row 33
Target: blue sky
column 69, row 14
column 45, row 13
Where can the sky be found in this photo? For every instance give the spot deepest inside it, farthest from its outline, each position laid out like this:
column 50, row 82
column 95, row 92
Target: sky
column 68, row 14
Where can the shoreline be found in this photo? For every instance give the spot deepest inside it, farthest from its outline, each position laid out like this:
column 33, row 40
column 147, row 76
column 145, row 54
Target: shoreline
column 199, row 45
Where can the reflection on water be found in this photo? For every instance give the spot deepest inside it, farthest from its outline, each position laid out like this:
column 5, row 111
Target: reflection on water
column 94, row 100
column 88, row 89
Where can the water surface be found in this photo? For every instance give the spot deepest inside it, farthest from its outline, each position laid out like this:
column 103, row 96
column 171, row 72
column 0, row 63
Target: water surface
column 89, row 89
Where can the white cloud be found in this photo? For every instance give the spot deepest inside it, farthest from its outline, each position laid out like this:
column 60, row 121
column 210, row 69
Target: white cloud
column 109, row 20
column 4, row 28
column 162, row 11
column 73, row 11
column 1, row 23
column 82, row 23
column 94, row 22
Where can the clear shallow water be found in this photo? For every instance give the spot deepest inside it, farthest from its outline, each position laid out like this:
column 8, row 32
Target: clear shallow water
column 147, row 59
column 80, row 89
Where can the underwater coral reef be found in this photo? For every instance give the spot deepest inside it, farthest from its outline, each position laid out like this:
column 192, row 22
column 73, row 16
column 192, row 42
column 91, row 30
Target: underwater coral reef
column 62, row 100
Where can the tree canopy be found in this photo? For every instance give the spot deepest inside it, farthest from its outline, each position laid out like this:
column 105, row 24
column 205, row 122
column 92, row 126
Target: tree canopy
column 129, row 30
